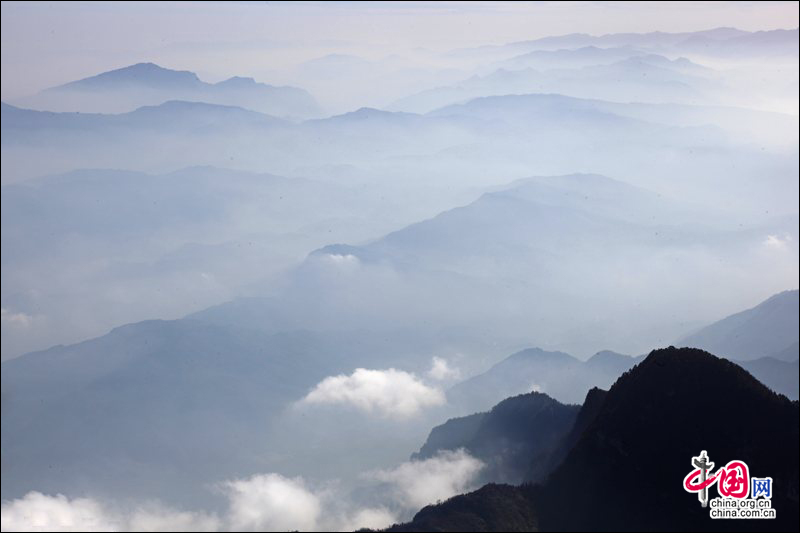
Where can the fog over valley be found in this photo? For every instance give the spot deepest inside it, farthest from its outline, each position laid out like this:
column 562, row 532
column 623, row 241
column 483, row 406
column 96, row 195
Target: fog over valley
column 408, row 265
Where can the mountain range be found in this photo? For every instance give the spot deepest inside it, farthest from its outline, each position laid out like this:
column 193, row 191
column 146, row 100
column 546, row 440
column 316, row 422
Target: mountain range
column 625, row 470
column 717, row 42
column 568, row 379
column 176, row 378
column 617, row 75
column 148, row 84
column 209, row 288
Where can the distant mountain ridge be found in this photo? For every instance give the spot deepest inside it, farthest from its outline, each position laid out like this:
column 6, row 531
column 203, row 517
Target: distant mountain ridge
column 525, row 235
column 147, row 84
column 768, row 329
column 713, row 41
column 169, row 115
column 617, row 74
column 146, row 75
column 557, row 374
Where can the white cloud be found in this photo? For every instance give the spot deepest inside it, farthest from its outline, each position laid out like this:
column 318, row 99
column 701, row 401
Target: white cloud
column 40, row 512
column 19, row 320
column 271, row 502
column 442, row 371
column 377, row 518
column 159, row 518
column 420, row 483
column 391, row 393
column 262, row 502
column 777, row 243
column 343, row 260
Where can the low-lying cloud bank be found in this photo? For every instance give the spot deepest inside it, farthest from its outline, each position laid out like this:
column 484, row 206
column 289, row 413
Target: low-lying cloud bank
column 262, row 502
column 419, row 483
column 40, row 512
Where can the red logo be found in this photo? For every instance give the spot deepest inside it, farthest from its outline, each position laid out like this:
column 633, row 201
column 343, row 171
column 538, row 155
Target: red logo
column 732, row 480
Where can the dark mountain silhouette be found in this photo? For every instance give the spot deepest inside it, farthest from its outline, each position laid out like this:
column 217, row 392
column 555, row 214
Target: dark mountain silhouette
column 491, row 508
column 143, row 84
column 507, row 437
column 625, row 471
column 768, row 329
column 453, row 434
column 541, row 466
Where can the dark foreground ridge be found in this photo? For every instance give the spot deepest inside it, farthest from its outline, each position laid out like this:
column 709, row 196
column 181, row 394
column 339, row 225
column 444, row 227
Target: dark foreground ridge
column 515, row 434
column 626, row 469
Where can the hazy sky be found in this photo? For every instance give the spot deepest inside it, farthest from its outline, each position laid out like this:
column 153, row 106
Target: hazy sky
column 48, row 43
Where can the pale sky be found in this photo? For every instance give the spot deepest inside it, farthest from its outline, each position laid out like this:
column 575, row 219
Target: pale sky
column 49, row 43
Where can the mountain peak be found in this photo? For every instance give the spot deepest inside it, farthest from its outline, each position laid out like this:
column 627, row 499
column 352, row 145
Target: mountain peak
column 540, row 354
column 152, row 67
column 670, row 406
column 607, row 357
column 139, row 75
column 239, row 81
column 679, row 364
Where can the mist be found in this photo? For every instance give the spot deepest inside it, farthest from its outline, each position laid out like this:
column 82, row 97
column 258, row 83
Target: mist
column 253, row 252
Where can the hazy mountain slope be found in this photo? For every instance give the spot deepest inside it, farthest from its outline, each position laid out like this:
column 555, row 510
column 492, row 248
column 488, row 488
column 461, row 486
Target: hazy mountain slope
column 779, row 375
column 554, row 373
column 790, row 353
column 766, row 329
column 175, row 134
column 571, row 58
column 173, row 116
column 159, row 138
column 507, row 437
column 525, row 246
column 609, row 481
column 141, row 245
column 745, row 123
column 162, row 409
column 630, row 78
column 145, row 84
column 130, row 412
column 451, row 152
column 567, row 378
column 715, row 42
